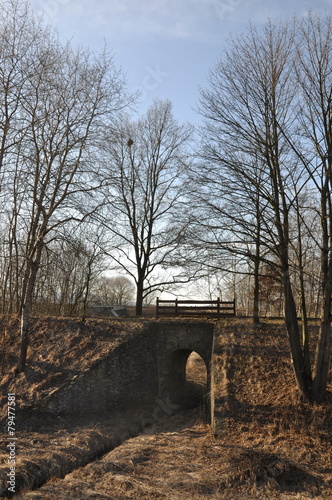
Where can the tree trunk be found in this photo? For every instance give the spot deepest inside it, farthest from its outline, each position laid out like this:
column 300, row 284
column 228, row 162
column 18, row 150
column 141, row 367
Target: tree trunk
column 292, row 325
column 322, row 357
column 322, row 362
column 303, row 302
column 256, row 294
column 256, row 285
column 305, row 330
column 257, row 262
column 86, row 294
column 139, row 297
column 25, row 315
column 31, row 274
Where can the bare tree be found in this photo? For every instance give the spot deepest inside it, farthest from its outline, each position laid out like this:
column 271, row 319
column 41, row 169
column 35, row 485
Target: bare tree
column 249, row 120
column 16, row 40
column 314, row 74
column 113, row 290
column 66, row 97
column 146, row 166
column 227, row 216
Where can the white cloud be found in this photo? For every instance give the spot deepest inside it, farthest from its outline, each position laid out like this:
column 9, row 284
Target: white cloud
column 131, row 19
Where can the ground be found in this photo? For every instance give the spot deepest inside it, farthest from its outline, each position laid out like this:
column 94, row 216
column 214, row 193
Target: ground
column 269, row 444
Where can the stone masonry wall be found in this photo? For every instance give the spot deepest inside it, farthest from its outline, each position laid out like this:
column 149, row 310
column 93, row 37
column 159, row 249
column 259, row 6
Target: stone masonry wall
column 126, row 377
column 131, row 374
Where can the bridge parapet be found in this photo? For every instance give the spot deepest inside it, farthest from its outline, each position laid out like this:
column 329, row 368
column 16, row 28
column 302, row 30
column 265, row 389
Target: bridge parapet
column 195, row 308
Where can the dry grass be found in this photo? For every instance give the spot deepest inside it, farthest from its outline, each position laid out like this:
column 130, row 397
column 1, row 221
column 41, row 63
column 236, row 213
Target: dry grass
column 60, row 348
column 182, row 460
column 271, row 446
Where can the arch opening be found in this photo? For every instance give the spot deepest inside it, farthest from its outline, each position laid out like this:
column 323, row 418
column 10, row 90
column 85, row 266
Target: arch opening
column 184, row 380
column 196, row 380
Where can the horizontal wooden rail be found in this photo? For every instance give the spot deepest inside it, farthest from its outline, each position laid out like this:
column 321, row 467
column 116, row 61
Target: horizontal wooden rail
column 210, row 308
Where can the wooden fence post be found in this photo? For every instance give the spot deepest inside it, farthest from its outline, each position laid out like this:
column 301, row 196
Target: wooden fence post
column 218, row 307
column 176, row 307
column 157, row 308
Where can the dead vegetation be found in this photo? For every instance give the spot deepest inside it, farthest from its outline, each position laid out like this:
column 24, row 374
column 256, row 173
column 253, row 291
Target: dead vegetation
column 271, row 445
column 60, row 348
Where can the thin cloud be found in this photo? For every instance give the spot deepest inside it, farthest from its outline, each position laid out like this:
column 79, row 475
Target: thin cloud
column 167, row 19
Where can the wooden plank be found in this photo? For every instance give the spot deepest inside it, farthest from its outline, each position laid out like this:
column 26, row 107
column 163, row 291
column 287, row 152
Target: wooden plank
column 211, row 308
column 191, row 302
column 196, row 307
column 195, row 301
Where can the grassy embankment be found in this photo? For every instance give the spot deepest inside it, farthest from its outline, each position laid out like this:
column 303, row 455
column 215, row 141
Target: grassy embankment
column 269, row 445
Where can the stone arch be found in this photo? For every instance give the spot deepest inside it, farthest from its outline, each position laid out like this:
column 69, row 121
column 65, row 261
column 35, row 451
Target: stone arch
column 175, row 389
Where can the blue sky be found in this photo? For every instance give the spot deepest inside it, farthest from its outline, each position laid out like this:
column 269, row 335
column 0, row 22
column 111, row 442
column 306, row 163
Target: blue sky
column 165, row 47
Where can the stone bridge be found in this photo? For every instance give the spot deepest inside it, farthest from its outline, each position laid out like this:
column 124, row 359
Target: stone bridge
column 147, row 368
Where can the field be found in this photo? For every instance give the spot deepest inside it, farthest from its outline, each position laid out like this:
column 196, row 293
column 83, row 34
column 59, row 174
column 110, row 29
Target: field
column 268, row 445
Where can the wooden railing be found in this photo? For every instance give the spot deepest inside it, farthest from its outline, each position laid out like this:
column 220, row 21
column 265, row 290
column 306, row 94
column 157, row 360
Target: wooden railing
column 206, row 308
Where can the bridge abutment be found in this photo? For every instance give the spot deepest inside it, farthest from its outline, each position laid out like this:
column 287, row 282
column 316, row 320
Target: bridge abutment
column 175, row 341
column 147, row 367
